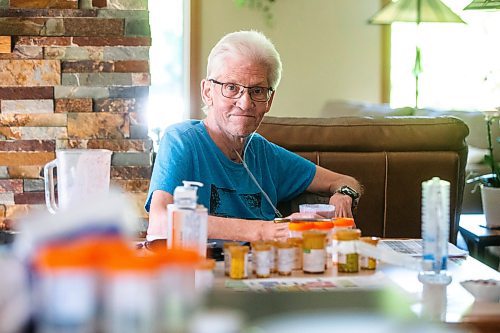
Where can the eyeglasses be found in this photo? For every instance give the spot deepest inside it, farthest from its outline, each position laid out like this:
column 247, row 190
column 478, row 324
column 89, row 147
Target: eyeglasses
column 235, row 91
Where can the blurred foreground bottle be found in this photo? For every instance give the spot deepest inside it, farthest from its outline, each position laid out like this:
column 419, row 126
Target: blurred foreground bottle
column 129, row 301
column 187, row 221
column 65, row 289
column 179, row 299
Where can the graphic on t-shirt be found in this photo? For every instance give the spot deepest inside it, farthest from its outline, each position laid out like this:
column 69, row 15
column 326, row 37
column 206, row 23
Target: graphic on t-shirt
column 222, row 201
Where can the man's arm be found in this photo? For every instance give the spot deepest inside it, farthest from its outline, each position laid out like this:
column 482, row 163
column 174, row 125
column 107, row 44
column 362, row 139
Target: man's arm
column 326, row 181
column 157, row 227
column 218, row 227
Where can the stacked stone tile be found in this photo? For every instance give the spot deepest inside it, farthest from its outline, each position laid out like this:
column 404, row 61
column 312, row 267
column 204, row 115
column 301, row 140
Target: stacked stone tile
column 76, row 76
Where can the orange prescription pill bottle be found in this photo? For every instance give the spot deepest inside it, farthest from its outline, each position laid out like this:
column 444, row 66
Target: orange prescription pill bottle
column 297, row 246
column 239, row 262
column 339, row 224
column 286, row 257
column 348, row 262
column 313, row 251
column 326, row 226
column 227, row 256
column 261, row 258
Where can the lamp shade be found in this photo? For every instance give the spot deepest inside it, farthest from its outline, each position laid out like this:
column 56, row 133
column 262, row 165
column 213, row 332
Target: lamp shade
column 415, row 11
column 484, row 4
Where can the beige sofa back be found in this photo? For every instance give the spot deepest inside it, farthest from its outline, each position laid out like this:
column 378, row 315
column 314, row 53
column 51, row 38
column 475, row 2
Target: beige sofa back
column 390, row 156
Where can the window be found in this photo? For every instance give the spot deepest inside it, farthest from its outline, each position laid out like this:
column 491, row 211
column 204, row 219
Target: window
column 460, row 62
column 166, row 94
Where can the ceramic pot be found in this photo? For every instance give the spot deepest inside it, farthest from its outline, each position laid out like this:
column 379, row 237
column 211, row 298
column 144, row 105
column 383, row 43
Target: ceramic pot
column 490, row 197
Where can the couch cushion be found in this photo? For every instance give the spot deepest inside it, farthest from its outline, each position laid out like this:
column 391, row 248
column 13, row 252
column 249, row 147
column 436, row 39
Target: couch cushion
column 365, row 133
column 340, row 108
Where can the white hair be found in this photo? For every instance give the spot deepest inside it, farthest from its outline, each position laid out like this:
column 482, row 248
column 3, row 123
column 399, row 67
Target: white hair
column 252, row 45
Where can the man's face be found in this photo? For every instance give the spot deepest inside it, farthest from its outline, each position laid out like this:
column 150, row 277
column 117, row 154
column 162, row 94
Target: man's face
column 236, row 117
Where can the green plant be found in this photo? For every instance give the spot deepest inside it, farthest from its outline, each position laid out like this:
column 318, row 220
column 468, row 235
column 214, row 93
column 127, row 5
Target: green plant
column 492, row 179
column 262, row 5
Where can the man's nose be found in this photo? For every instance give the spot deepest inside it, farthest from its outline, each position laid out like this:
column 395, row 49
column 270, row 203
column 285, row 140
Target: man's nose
column 245, row 101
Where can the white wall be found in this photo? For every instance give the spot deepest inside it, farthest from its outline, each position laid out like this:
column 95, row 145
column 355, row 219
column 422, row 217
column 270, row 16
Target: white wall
column 328, row 49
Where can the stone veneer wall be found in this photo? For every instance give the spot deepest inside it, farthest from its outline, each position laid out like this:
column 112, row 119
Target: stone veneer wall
column 76, row 76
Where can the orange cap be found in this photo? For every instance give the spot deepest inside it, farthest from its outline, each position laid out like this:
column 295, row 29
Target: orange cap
column 178, row 257
column 344, row 222
column 91, row 251
column 134, row 263
column 300, row 226
column 323, row 225
column 79, row 254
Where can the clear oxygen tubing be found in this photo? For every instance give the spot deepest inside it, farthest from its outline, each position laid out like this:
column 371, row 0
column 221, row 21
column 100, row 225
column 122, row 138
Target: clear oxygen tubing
column 252, row 177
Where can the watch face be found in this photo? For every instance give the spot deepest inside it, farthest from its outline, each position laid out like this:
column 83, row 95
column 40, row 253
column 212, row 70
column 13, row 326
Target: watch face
column 349, row 191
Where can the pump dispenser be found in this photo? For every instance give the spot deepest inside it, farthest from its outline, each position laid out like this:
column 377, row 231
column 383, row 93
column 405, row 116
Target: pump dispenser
column 187, row 221
column 185, row 196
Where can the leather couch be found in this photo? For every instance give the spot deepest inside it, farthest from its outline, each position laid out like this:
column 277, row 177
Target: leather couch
column 477, row 140
column 390, row 156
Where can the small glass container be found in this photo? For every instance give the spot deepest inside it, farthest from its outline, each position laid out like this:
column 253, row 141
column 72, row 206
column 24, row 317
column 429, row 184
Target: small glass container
column 297, row 246
column 348, row 262
column 286, row 257
column 365, row 262
column 313, row 251
column 239, row 262
column 261, row 257
column 227, row 256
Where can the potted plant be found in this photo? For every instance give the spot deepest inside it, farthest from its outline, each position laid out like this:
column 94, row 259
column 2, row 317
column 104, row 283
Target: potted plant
column 490, row 183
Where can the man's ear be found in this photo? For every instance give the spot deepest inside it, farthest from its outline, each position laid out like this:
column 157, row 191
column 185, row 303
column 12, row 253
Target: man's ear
column 268, row 106
column 206, row 92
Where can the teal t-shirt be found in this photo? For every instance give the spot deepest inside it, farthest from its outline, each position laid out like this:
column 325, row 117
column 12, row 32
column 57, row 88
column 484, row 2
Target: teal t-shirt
column 187, row 152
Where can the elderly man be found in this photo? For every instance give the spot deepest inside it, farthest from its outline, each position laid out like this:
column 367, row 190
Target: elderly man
column 245, row 175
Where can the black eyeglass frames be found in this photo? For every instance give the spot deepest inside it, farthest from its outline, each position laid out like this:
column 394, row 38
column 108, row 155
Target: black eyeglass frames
column 235, row 91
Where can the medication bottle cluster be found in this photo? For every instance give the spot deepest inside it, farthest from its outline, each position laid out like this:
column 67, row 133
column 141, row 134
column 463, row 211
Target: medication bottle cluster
column 102, row 284
column 311, row 248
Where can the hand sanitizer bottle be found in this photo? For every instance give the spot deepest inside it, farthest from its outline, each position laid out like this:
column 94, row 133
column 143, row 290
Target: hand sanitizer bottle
column 186, row 220
column 435, row 233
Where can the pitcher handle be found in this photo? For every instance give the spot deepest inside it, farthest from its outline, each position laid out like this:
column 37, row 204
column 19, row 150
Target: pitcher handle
column 48, row 177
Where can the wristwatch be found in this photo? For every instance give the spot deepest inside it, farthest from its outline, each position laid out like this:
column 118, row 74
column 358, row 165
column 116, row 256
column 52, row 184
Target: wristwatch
column 346, row 190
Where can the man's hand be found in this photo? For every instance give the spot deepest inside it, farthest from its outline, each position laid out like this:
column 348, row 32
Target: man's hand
column 274, row 231
column 343, row 205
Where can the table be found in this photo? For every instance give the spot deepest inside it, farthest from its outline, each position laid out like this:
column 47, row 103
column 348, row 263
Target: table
column 461, row 309
column 476, row 235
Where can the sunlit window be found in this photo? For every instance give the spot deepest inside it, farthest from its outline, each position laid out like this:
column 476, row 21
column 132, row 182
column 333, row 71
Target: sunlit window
column 460, row 62
column 166, row 100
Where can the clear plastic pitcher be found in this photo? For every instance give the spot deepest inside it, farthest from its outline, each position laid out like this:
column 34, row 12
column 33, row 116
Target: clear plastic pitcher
column 81, row 173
